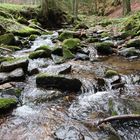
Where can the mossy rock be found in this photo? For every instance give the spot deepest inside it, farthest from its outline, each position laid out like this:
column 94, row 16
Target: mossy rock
column 27, row 31
column 58, row 82
column 81, row 26
column 110, row 73
column 92, row 40
column 2, row 59
column 40, row 54
column 7, row 39
column 104, row 48
column 65, row 35
column 6, row 104
column 71, row 44
column 10, row 47
column 67, row 54
column 33, row 37
column 105, row 34
column 45, row 48
column 133, row 43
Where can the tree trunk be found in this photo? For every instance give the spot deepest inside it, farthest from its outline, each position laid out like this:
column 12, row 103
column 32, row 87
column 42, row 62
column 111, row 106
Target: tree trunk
column 75, row 9
column 44, row 8
column 126, row 7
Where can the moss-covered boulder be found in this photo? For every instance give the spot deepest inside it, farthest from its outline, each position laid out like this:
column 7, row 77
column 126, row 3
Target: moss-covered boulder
column 110, row 73
column 3, row 58
column 40, row 54
column 104, row 48
column 58, row 82
column 32, row 37
column 26, row 31
column 10, row 47
column 7, row 39
column 6, row 104
column 71, row 44
column 67, row 54
column 45, row 48
column 8, row 66
column 65, row 35
column 133, row 43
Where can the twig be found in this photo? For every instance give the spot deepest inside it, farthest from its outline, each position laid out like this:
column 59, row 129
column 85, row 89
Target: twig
column 121, row 118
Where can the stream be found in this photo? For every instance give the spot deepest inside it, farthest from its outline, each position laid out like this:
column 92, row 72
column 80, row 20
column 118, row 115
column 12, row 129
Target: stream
column 73, row 116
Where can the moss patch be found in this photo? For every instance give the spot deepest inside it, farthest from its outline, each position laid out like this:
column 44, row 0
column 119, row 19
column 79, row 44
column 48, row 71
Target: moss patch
column 6, row 104
column 7, row 39
column 65, row 35
column 110, row 73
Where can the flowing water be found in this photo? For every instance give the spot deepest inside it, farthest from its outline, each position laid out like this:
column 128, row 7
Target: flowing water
column 74, row 116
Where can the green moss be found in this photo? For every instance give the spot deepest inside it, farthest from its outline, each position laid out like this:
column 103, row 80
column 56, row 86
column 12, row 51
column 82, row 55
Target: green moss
column 110, row 73
column 81, row 26
column 65, row 35
column 26, row 31
column 111, row 108
column 2, row 59
column 71, row 43
column 40, row 54
column 44, row 47
column 105, row 22
column 7, row 39
column 67, row 54
column 104, row 48
column 32, row 37
column 7, row 103
column 105, row 34
column 12, row 48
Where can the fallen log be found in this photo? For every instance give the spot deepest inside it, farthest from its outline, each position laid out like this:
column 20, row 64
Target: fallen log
column 5, row 49
column 128, row 117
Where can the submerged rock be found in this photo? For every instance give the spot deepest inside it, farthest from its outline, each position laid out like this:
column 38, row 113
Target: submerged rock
column 59, row 82
column 6, row 104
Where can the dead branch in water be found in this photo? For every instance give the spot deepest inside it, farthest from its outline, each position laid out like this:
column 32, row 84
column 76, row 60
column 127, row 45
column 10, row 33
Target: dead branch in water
column 121, row 118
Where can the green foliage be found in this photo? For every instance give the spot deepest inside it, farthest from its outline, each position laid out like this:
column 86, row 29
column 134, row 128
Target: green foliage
column 67, row 54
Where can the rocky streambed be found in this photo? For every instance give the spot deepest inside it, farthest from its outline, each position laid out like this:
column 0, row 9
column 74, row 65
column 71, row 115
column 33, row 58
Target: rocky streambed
column 67, row 82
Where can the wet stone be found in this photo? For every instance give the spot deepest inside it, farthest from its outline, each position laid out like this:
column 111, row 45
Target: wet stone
column 8, row 66
column 58, row 69
column 58, row 82
column 17, row 74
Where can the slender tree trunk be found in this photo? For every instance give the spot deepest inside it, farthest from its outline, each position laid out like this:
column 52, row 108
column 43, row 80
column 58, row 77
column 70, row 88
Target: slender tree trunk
column 75, row 9
column 126, row 7
column 44, row 8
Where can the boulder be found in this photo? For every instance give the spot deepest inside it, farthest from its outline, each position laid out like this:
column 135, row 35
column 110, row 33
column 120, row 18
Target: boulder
column 11, row 65
column 40, row 54
column 6, row 104
column 133, row 43
column 104, row 48
column 4, row 77
column 58, row 69
column 129, row 52
column 58, row 82
column 7, row 39
column 110, row 73
column 71, row 44
column 17, row 74
column 65, row 35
